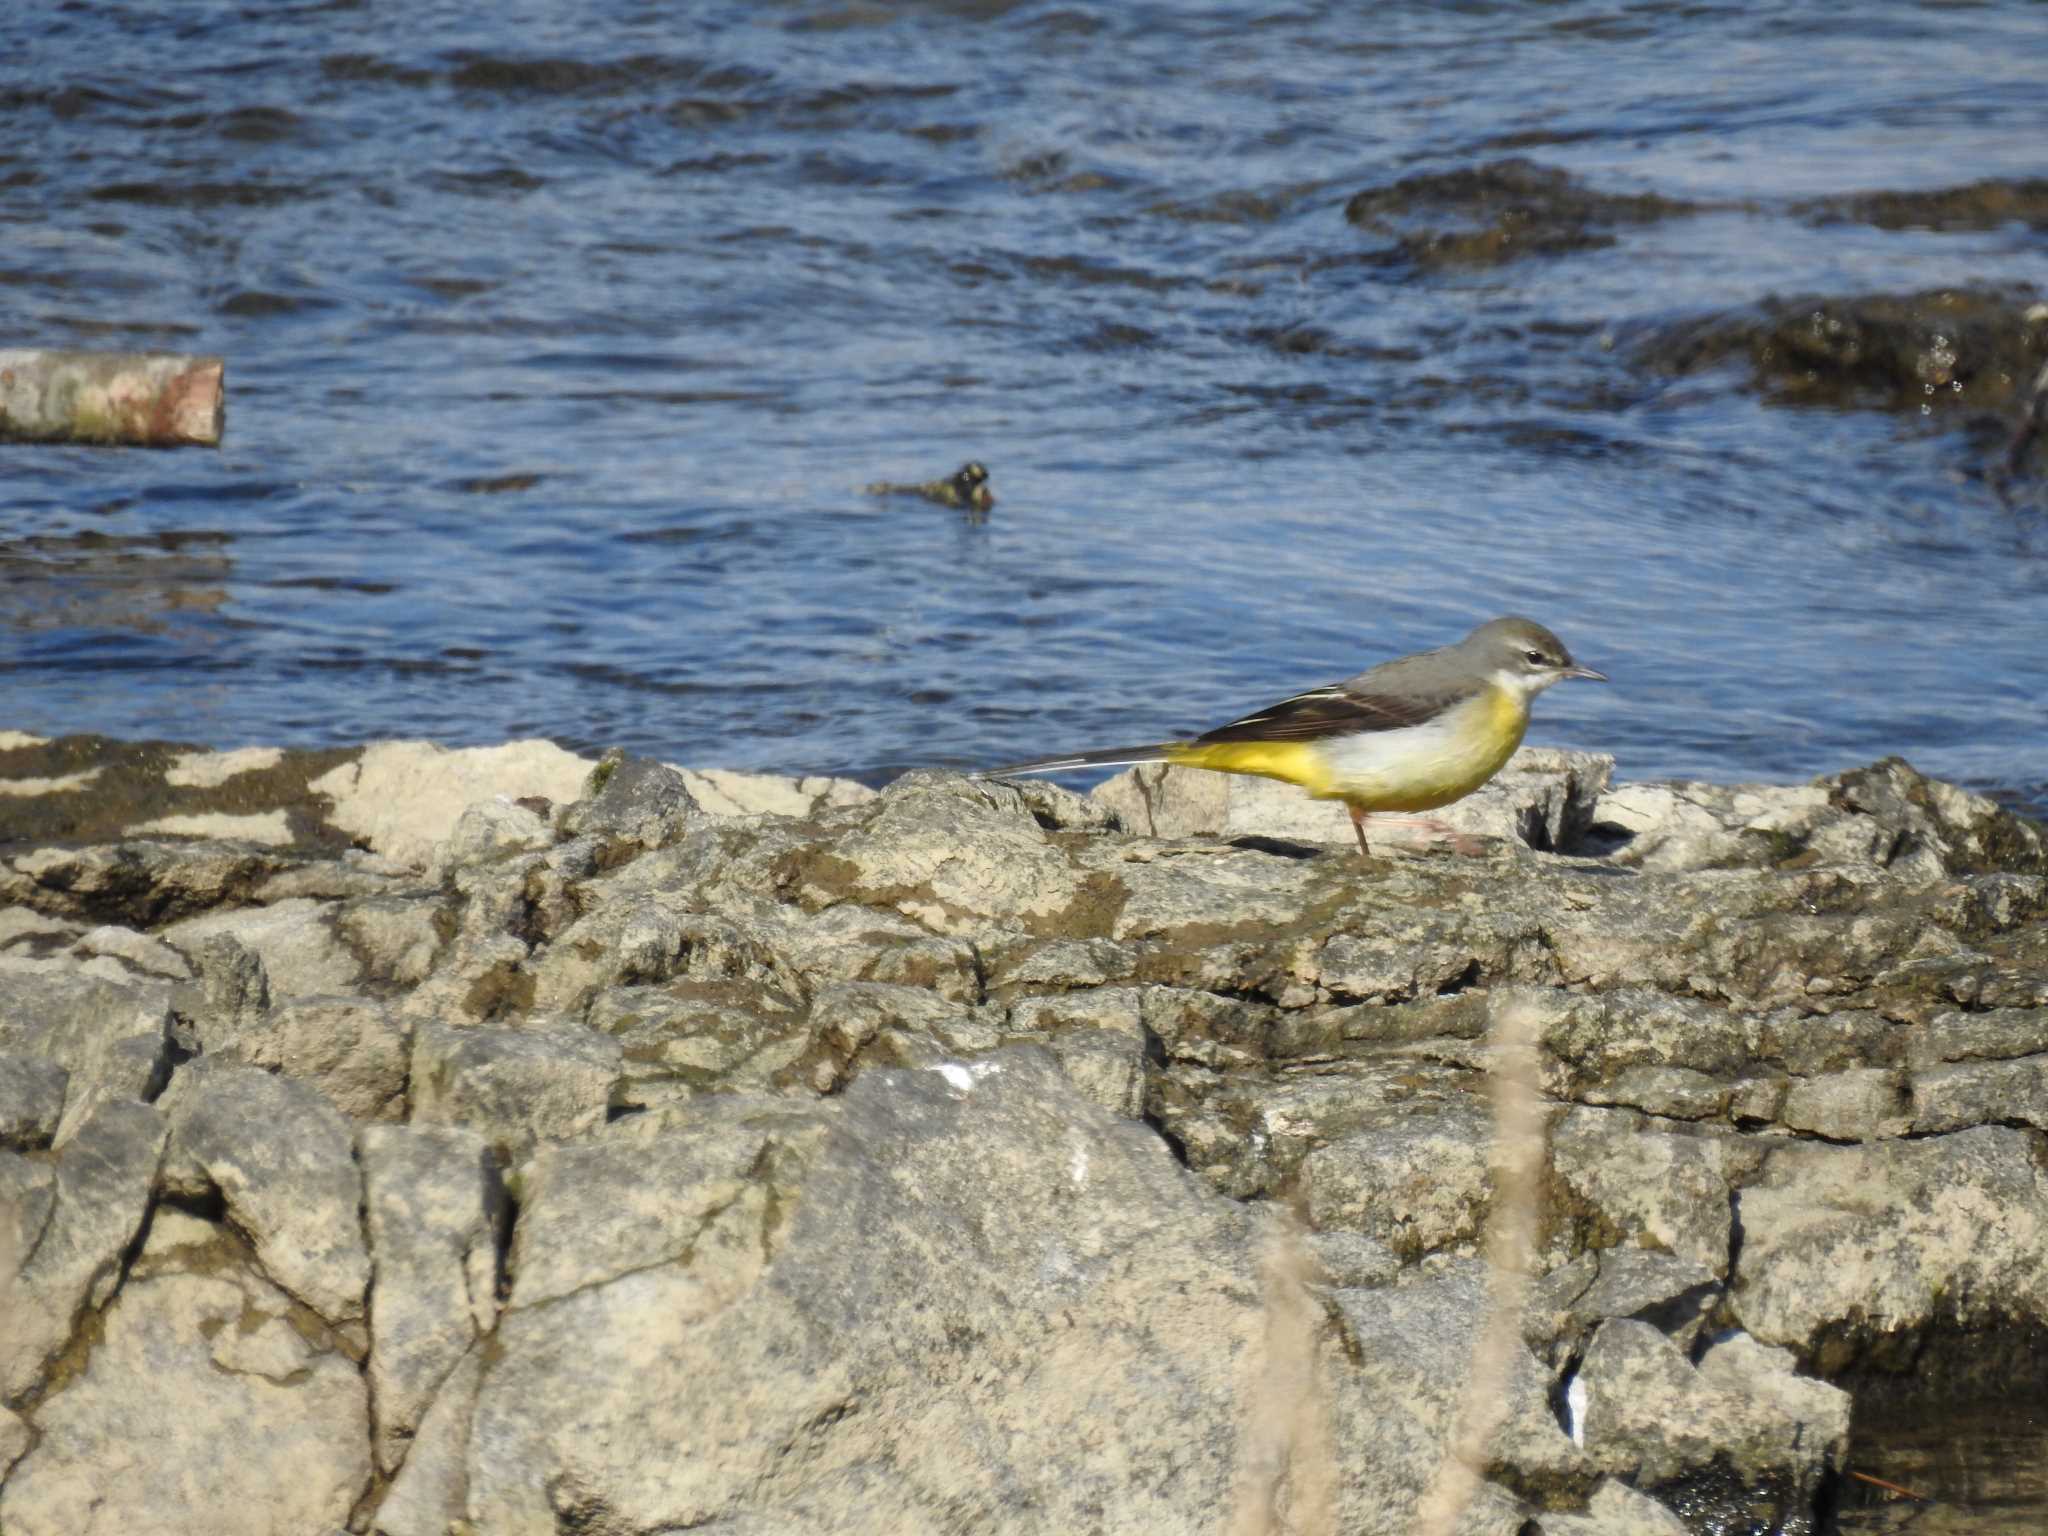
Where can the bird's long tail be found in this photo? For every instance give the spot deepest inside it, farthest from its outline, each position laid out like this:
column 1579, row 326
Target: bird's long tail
column 1158, row 752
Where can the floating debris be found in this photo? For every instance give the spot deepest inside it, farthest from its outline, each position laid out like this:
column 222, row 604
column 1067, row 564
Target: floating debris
column 966, row 488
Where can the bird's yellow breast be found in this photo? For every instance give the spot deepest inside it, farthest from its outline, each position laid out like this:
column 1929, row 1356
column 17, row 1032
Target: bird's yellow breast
column 1414, row 768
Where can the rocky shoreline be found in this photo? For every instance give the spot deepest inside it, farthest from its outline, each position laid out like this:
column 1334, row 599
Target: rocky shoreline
column 418, row 1140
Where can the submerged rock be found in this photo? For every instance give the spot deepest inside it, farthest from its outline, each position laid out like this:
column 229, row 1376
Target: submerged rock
column 1484, row 215
column 1948, row 348
column 1979, row 205
column 636, row 1162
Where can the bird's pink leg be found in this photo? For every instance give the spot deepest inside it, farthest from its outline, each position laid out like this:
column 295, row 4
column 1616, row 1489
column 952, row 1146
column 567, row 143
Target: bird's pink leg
column 1358, row 826
column 1461, row 842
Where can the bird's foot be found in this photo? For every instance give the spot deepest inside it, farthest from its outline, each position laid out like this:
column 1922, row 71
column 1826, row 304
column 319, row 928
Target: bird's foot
column 1463, row 843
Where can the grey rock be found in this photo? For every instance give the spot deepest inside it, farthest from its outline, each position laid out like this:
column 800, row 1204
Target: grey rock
column 283, row 1160
column 1107, row 1065
column 1118, row 1010
column 1197, row 1026
column 1670, row 1093
column 1022, row 963
column 1819, row 1414
column 355, row 1050
column 951, row 855
column 684, row 1037
column 762, row 1335
column 1890, row 1237
column 477, row 977
column 1350, row 1260
column 723, row 792
column 231, row 990
column 643, row 940
column 1616, row 1510
column 1970, row 1093
column 1418, row 1184
column 28, row 1197
column 1609, row 1047
column 1248, row 1136
column 113, row 1038
column 1968, row 1069
column 29, row 935
column 1674, row 1295
column 1412, row 1347
column 31, row 1101
column 595, row 1211
column 431, row 1490
column 514, row 1086
column 1998, row 1034
column 1861, row 1105
column 395, row 938
column 491, row 830
column 138, row 883
column 200, row 1407
column 295, row 939
column 967, row 1034
column 1681, row 1432
column 1966, row 832
column 15, row 1439
column 1798, row 1088
column 1813, row 1045
column 526, row 894
column 1060, row 810
column 1886, row 815
column 633, row 802
column 139, row 954
column 1671, row 827
column 855, row 943
column 354, row 873
column 1755, row 943
column 1387, row 967
column 72, row 1220
column 1201, row 898
column 435, row 1209
column 849, row 1016
column 402, row 798
column 1616, row 1172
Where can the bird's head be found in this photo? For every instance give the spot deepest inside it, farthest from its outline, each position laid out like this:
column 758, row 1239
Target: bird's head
column 1521, row 655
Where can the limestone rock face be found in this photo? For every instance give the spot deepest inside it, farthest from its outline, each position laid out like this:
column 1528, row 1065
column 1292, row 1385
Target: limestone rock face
column 295, row 938
column 516, row 1086
column 354, row 1049
column 1885, row 815
column 812, row 1302
column 31, row 1101
column 435, row 1211
column 203, row 1405
column 1742, row 1416
column 63, row 1227
column 111, row 1039
column 1413, row 1346
column 1885, row 1239
column 282, row 1159
column 640, row 1150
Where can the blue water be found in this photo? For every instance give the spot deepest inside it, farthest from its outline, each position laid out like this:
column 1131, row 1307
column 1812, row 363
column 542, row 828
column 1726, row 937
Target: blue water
column 703, row 271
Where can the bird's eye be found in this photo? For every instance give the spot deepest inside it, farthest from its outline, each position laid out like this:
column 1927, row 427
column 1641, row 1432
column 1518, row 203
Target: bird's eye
column 1534, row 658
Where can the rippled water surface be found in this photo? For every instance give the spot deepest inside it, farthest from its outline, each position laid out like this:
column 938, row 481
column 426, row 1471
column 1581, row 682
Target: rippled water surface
column 561, row 339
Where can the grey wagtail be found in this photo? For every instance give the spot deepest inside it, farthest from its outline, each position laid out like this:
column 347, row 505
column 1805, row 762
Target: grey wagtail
column 1411, row 734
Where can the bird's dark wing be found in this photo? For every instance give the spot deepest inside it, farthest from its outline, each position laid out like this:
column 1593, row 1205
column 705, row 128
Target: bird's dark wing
column 1338, row 710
